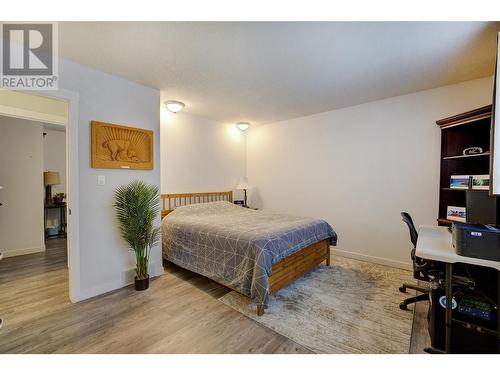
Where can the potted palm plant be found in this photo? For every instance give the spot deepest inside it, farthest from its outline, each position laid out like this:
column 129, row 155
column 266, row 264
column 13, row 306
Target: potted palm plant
column 137, row 206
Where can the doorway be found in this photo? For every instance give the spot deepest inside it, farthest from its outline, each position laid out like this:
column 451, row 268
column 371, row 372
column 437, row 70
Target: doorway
column 33, row 158
column 54, row 181
column 56, row 112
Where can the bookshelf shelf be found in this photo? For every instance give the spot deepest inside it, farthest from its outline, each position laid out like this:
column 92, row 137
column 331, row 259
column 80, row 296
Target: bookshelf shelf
column 487, row 153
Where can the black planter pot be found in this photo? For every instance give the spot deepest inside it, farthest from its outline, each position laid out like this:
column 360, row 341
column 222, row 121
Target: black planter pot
column 141, row 284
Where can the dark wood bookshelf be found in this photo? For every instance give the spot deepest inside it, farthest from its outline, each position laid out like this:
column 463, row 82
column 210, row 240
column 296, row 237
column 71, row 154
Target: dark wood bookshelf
column 468, row 129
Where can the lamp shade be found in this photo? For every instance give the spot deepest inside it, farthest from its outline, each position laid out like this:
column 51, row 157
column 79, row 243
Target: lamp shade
column 243, row 184
column 51, row 178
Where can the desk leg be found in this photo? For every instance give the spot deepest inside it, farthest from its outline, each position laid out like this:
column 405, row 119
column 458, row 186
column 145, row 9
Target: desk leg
column 449, row 298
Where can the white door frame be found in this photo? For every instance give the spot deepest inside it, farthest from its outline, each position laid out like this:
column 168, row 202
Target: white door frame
column 73, row 229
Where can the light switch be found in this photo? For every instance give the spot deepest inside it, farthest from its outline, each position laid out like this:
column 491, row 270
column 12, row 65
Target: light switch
column 101, row 180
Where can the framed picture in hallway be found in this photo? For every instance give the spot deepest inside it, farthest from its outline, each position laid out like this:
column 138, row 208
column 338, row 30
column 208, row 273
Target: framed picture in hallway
column 121, row 147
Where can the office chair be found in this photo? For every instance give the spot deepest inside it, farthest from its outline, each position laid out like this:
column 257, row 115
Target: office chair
column 421, row 268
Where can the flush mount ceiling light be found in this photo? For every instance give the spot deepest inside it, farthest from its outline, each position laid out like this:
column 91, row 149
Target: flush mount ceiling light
column 243, row 125
column 174, row 106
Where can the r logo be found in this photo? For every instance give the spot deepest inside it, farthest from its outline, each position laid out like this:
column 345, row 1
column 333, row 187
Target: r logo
column 27, row 49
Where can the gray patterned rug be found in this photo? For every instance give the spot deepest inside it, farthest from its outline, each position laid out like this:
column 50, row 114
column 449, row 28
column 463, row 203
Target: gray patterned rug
column 350, row 307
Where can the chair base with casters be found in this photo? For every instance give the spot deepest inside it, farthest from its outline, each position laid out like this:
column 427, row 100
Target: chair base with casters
column 421, row 297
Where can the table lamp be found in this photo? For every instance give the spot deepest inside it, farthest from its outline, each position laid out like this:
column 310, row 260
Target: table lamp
column 243, row 185
column 49, row 179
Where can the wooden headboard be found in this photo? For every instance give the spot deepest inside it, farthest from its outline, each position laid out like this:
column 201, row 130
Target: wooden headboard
column 171, row 201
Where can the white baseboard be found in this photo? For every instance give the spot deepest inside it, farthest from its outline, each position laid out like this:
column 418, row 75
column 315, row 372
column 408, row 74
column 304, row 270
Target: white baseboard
column 372, row 259
column 18, row 252
column 113, row 285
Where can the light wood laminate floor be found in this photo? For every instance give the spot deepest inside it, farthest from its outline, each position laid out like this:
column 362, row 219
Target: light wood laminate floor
column 420, row 338
column 180, row 313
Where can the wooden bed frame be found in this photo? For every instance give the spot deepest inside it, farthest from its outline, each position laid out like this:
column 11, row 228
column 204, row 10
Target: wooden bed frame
column 171, row 201
column 283, row 273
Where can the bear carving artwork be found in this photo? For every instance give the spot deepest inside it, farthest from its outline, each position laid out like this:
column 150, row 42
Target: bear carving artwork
column 121, row 151
column 121, row 147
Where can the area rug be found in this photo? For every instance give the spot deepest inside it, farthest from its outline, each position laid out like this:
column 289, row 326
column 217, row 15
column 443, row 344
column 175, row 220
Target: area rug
column 349, row 307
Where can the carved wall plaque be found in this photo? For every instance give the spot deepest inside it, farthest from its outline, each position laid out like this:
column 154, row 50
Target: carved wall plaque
column 121, row 147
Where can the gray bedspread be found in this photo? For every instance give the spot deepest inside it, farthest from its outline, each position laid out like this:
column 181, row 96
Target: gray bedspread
column 237, row 246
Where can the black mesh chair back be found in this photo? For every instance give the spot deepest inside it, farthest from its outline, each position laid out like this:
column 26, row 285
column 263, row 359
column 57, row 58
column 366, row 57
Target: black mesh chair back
column 421, row 268
column 413, row 232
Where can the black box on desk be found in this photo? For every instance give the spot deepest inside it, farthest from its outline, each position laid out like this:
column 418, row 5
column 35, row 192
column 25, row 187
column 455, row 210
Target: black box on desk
column 477, row 240
column 482, row 208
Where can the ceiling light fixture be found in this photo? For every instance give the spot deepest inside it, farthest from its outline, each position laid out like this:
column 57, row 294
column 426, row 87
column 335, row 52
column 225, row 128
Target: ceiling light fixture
column 243, row 125
column 174, row 106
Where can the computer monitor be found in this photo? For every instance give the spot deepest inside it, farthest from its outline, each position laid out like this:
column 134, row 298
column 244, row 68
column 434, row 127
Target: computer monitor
column 481, row 208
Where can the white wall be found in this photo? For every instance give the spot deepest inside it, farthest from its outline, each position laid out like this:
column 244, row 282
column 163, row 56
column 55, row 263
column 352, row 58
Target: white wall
column 105, row 263
column 21, row 175
column 199, row 155
column 359, row 167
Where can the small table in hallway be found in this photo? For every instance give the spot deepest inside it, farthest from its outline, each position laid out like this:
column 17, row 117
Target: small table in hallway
column 62, row 219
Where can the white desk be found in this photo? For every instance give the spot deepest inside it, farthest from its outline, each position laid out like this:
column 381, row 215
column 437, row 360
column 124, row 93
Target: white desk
column 435, row 243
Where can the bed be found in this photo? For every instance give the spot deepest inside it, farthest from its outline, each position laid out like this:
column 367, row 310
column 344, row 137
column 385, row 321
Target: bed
column 253, row 252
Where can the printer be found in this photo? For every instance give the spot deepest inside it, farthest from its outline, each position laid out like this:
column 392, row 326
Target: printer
column 477, row 240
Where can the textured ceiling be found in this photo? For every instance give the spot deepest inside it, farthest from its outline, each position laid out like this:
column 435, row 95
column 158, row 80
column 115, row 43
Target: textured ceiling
column 266, row 72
